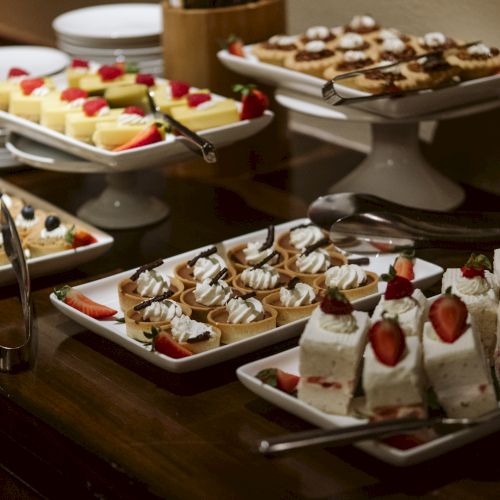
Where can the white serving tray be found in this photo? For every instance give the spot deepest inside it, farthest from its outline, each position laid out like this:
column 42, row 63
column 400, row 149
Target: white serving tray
column 104, row 291
column 289, row 362
column 423, row 103
column 60, row 261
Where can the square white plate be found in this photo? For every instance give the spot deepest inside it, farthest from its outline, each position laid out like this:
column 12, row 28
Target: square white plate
column 104, row 291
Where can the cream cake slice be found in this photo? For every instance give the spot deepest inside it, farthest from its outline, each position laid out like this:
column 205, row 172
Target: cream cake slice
column 26, row 99
column 55, row 108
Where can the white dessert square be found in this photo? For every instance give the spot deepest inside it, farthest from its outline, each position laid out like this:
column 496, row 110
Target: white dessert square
column 330, row 363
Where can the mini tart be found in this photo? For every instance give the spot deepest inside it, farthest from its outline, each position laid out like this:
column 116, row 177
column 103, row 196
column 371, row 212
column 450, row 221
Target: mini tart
column 285, row 277
column 312, row 63
column 378, row 81
column 185, row 274
column 199, row 346
column 38, row 246
column 136, row 326
column 336, row 259
column 236, row 257
column 25, row 232
column 275, row 53
column 354, row 293
column 285, row 314
column 199, row 311
column 234, row 332
column 341, row 67
column 475, row 65
column 378, row 38
column 420, row 75
column 284, row 244
column 129, row 298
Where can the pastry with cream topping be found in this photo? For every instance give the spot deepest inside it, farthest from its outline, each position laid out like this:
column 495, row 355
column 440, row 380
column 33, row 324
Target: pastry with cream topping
column 435, row 40
column 52, row 237
column 313, row 58
column 29, row 220
column 476, row 61
column 321, row 33
column 361, row 24
column 299, row 237
column 276, row 49
column 350, row 60
column 428, row 71
column 353, row 42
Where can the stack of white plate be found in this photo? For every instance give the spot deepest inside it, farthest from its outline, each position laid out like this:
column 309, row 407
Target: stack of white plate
column 116, row 32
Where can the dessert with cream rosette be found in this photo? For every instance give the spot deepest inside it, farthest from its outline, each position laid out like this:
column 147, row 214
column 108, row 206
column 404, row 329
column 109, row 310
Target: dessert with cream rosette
column 29, row 220
column 395, row 49
column 435, row 40
column 295, row 300
column 352, row 280
column 14, row 76
column 276, row 49
column 428, row 71
column 321, row 33
column 153, row 313
column 350, row 60
column 383, row 34
column 242, row 317
column 107, row 76
column 313, row 58
column 55, row 108
column 454, row 360
column 26, row 99
column 476, row 61
column 331, row 351
column 78, row 69
column 362, row 24
column 147, row 282
column 353, row 42
column 299, row 237
column 52, row 237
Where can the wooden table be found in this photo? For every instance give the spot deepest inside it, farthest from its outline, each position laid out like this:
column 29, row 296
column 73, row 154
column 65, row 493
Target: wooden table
column 92, row 419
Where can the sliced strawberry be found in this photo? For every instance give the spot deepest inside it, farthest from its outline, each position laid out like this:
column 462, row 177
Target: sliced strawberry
column 287, row 382
column 79, row 63
column 79, row 238
column 397, row 286
column 383, row 247
column 234, row 46
column 29, row 85
column 92, row 106
column 404, row 264
column 335, row 302
column 145, row 79
column 388, row 341
column 82, row 303
column 475, row 266
column 448, row 316
column 73, row 93
column 134, row 110
column 153, row 133
column 109, row 73
column 195, row 100
column 164, row 343
column 254, row 101
column 14, row 72
column 179, row 89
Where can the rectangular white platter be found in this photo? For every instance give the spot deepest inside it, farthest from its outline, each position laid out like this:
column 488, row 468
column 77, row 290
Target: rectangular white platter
column 60, row 261
column 104, row 291
column 422, row 103
column 289, row 362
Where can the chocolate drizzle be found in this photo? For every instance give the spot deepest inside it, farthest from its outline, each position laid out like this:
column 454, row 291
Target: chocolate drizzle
column 199, row 338
column 266, row 260
column 323, row 242
column 146, row 267
column 147, row 303
column 221, row 274
column 292, row 283
column 269, row 239
column 205, row 253
column 249, row 295
column 360, row 261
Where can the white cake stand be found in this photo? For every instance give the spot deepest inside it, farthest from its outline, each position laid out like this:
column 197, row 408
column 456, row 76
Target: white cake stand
column 395, row 168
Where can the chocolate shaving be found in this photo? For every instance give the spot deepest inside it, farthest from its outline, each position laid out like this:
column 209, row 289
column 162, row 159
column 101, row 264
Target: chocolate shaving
column 199, row 338
column 147, row 303
column 146, row 267
column 301, row 226
column 266, row 260
column 221, row 274
column 247, row 296
column 205, row 253
column 292, row 283
column 360, row 261
column 269, row 239
column 323, row 242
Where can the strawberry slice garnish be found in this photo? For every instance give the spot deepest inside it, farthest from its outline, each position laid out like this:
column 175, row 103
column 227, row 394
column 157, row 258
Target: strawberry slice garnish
column 73, row 93
column 397, row 286
column 388, row 341
column 145, row 79
column 404, row 264
column 475, row 266
column 109, row 73
column 79, row 63
column 134, row 110
column 30, row 84
column 195, row 100
column 79, row 238
column 335, row 302
column 448, row 316
column 164, row 343
column 234, row 45
column 254, row 101
column 15, row 72
column 284, row 381
column 92, row 106
column 149, row 135
column 82, row 303
column 179, row 89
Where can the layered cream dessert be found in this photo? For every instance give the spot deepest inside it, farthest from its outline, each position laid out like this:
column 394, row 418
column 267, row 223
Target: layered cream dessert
column 26, row 99
column 55, row 108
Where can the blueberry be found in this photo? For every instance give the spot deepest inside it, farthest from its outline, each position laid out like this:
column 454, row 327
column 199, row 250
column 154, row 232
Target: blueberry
column 52, row 222
column 28, row 212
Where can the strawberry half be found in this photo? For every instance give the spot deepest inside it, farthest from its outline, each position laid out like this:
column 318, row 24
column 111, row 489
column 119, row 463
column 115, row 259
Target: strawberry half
column 388, row 341
column 79, row 63
column 92, row 106
column 284, row 381
column 145, row 79
column 15, row 72
column 195, row 100
column 109, row 73
column 134, row 110
column 397, row 286
column 404, row 264
column 29, row 85
column 448, row 316
column 234, row 45
column 475, row 266
column 79, row 238
column 164, row 343
column 254, row 102
column 150, row 135
column 73, row 93
column 82, row 303
column 178, row 89
column 335, row 302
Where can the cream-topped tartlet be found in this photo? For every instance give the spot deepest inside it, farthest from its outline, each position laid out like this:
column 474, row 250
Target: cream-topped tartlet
column 476, row 61
column 321, row 33
column 362, row 24
column 29, row 220
column 350, row 60
column 51, row 238
column 299, row 237
column 276, row 49
column 193, row 335
column 313, row 58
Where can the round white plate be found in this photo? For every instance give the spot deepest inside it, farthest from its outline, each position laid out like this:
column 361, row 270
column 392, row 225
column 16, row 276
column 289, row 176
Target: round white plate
column 154, row 50
column 38, row 61
column 114, row 21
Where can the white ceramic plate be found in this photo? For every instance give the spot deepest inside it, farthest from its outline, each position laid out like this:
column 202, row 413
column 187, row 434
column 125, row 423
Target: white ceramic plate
column 289, row 361
column 104, row 291
column 56, row 262
column 90, row 52
column 422, row 103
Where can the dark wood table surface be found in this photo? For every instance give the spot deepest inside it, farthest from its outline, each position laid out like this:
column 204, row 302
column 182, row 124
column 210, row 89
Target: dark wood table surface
column 93, row 420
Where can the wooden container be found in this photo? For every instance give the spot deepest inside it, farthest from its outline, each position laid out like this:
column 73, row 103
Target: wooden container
column 192, row 38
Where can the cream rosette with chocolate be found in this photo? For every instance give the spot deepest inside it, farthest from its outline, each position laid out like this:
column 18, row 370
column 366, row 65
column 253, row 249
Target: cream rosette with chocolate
column 146, row 283
column 29, row 220
column 383, row 34
column 51, row 238
column 321, row 33
column 434, row 41
column 242, row 317
column 353, row 41
column 395, row 50
column 352, row 60
column 352, row 280
column 194, row 335
column 428, row 71
column 362, row 25
column 276, row 49
column 157, row 312
column 476, row 61
column 313, row 59
column 299, row 237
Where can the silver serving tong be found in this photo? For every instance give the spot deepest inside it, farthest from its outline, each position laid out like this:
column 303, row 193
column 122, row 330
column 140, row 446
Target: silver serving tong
column 16, row 358
column 206, row 147
column 348, row 435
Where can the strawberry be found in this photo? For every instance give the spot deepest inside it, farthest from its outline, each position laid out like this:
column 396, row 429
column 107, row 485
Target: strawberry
column 73, row 93
column 29, row 85
column 234, row 45
column 14, row 72
column 82, row 303
column 109, row 73
column 153, row 133
column 404, row 264
column 448, row 316
column 145, row 79
column 79, row 63
column 387, row 340
column 397, row 286
column 284, row 381
column 79, row 238
column 475, row 266
column 92, row 106
column 164, row 343
column 335, row 302
column 134, row 110
column 383, row 247
column 254, row 101
column 179, row 89
column 195, row 100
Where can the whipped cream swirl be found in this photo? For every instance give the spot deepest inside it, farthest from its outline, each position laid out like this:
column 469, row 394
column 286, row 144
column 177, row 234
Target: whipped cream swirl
column 166, row 310
column 184, row 328
column 301, row 294
column 433, row 39
column 75, row 103
column 41, row 91
column 314, row 262
column 23, row 223
column 315, row 46
column 338, row 323
column 244, row 310
column 317, row 32
column 282, row 40
column 472, row 286
column 261, row 278
column 133, row 119
column 58, row 233
column 208, row 267
column 253, row 254
column 345, row 277
column 480, row 49
column 394, row 45
column 352, row 56
column 385, row 34
column 399, row 306
column 152, row 284
column 351, row 41
column 360, row 22
column 103, row 111
column 303, row 237
column 212, row 295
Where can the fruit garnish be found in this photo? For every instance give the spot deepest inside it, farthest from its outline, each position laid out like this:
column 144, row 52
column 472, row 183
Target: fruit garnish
column 448, row 316
column 82, row 303
column 475, row 266
column 29, row 85
column 79, row 63
column 195, row 100
column 154, row 133
column 134, row 110
column 284, row 381
column 109, row 73
column 145, row 79
column 164, row 343
column 397, row 286
column 335, row 302
column 92, row 106
column 404, row 264
column 234, row 45
column 52, row 222
column 73, row 93
column 387, row 340
column 254, row 101
column 127, row 67
column 28, row 212
column 179, row 89
column 15, row 72
column 79, row 238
